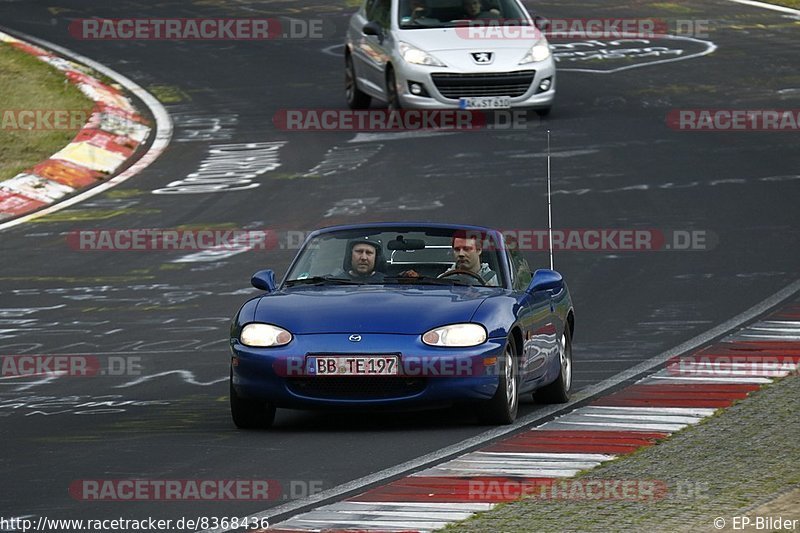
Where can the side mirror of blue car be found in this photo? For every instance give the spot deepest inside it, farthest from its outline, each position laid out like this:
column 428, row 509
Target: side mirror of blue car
column 545, row 279
column 264, row 280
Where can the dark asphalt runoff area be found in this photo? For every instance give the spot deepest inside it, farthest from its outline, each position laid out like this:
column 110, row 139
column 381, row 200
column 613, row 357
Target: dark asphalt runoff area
column 162, row 317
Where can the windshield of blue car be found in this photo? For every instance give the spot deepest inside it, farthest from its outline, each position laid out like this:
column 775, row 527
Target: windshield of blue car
column 394, row 257
column 415, row 14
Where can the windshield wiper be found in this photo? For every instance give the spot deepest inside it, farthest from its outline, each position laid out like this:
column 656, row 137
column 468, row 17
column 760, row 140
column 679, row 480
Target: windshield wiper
column 321, row 280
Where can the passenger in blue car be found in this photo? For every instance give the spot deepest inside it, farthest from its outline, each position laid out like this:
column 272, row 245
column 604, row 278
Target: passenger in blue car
column 363, row 261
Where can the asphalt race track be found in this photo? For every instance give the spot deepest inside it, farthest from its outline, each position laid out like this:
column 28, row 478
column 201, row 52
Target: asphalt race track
column 163, row 316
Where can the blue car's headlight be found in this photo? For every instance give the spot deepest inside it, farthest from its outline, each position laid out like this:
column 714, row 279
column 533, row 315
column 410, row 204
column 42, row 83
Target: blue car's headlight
column 264, row 335
column 456, row 335
column 538, row 52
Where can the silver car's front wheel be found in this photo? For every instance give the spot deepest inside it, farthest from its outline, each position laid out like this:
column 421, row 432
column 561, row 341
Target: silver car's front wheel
column 392, row 95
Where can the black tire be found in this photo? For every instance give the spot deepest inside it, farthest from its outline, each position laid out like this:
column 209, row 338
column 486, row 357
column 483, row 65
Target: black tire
column 502, row 408
column 392, row 98
column 558, row 391
column 356, row 99
column 250, row 414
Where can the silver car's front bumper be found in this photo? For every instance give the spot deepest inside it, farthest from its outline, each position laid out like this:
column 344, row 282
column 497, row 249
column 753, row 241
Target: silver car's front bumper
column 532, row 98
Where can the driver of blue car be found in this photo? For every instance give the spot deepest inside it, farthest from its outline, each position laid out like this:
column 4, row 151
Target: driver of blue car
column 362, row 261
column 467, row 255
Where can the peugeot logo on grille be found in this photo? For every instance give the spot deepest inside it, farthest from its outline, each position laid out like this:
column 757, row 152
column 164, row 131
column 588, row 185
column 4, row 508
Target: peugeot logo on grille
column 482, row 58
column 355, row 338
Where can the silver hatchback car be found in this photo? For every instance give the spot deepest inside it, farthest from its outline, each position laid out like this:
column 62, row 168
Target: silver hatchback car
column 448, row 54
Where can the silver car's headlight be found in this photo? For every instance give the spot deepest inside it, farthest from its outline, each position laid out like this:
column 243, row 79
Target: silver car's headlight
column 538, row 52
column 412, row 54
column 264, row 335
column 456, row 335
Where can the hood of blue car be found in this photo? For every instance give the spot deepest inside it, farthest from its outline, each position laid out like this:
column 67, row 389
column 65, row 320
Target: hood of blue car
column 370, row 308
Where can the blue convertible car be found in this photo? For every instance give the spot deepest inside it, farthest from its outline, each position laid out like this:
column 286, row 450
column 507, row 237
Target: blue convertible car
column 397, row 315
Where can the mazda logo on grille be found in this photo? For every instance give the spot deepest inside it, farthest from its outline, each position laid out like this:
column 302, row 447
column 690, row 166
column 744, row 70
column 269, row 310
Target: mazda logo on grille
column 355, row 338
column 482, row 58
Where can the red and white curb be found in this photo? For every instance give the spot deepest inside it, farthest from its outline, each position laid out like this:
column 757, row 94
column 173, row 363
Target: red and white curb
column 687, row 390
column 113, row 134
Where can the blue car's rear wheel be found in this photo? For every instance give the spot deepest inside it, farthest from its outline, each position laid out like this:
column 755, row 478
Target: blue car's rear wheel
column 558, row 391
column 250, row 414
column 503, row 407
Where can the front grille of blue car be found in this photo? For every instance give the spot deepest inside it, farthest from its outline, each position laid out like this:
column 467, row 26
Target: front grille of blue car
column 454, row 85
column 356, row 387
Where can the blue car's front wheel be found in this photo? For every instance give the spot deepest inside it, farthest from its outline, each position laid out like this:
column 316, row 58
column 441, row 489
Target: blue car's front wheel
column 503, row 407
column 558, row 391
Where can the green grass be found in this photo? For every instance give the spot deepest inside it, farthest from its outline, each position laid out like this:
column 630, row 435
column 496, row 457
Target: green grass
column 787, row 3
column 27, row 83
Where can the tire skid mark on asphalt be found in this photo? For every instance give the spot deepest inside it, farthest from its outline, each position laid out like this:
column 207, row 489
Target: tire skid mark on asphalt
column 187, row 376
column 341, row 159
column 613, row 425
column 677, row 186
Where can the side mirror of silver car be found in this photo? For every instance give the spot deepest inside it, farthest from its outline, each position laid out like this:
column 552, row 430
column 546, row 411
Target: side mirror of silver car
column 373, row 28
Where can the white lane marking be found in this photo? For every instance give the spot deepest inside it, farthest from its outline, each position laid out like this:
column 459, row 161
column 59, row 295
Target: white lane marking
column 709, row 379
column 594, row 390
column 455, row 506
column 162, row 136
column 384, row 525
column 593, row 457
column 186, row 375
column 671, row 428
column 710, row 48
column 528, row 472
column 637, row 418
column 765, row 337
column 412, row 514
column 772, row 7
column 471, row 461
column 688, row 411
